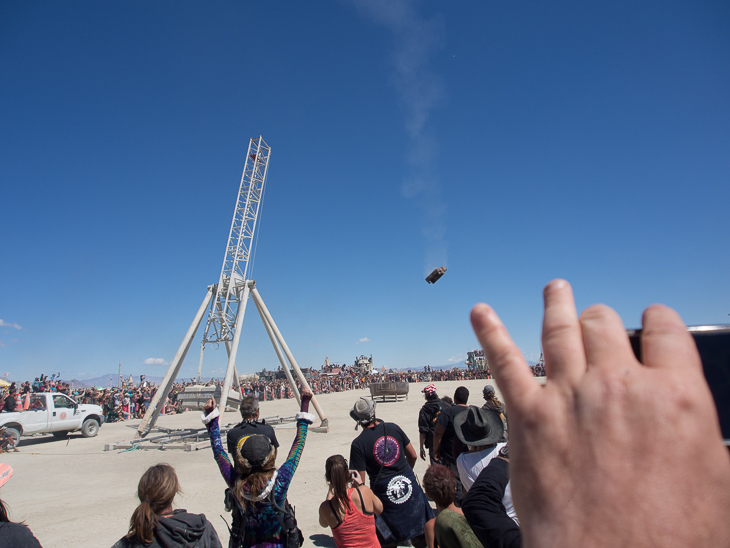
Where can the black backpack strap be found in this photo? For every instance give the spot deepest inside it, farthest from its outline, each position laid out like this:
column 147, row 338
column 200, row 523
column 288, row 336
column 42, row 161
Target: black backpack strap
column 385, row 454
column 240, row 515
column 291, row 535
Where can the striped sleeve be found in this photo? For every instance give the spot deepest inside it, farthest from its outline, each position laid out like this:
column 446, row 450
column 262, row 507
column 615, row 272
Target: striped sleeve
column 286, row 472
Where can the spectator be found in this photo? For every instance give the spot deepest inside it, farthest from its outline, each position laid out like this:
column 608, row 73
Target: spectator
column 7, row 443
column 491, row 401
column 611, row 451
column 480, row 430
column 487, row 505
column 351, row 518
column 384, row 451
column 13, row 535
column 11, row 401
column 450, row 529
column 154, row 522
column 256, row 489
column 249, row 426
column 444, row 434
column 427, row 418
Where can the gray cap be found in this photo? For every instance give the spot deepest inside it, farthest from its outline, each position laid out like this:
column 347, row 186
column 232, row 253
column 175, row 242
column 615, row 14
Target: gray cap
column 363, row 410
column 488, row 390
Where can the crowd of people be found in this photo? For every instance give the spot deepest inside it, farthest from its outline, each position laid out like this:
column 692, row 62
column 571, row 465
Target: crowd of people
column 610, row 452
column 130, row 399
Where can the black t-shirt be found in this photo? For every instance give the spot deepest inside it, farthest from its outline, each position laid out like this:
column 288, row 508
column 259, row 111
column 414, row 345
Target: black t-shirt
column 10, row 403
column 249, row 428
column 446, row 420
column 484, row 510
column 371, row 451
column 427, row 419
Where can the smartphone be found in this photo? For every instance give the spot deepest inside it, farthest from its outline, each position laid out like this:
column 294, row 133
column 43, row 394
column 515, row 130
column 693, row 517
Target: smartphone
column 713, row 344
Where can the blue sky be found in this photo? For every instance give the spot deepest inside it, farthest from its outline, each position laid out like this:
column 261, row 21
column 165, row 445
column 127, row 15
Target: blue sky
column 513, row 142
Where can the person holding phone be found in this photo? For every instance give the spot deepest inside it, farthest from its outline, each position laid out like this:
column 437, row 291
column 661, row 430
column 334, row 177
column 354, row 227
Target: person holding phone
column 350, row 513
column 611, row 451
column 386, row 453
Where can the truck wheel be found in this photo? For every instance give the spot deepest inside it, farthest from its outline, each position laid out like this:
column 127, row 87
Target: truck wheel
column 13, row 433
column 90, row 428
column 62, row 435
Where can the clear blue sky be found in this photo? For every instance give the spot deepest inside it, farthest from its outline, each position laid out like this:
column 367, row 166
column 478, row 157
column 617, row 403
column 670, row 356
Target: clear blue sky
column 513, row 142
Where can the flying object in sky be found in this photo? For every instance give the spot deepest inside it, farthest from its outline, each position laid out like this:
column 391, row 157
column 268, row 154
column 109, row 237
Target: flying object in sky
column 436, row 274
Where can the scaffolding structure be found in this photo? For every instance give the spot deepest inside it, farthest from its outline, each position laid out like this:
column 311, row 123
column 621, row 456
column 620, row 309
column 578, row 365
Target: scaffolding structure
column 226, row 300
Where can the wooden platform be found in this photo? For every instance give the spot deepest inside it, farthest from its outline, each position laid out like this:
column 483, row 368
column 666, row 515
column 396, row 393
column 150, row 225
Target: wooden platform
column 385, row 391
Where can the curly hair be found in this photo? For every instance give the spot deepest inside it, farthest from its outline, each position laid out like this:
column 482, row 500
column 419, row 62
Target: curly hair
column 439, row 482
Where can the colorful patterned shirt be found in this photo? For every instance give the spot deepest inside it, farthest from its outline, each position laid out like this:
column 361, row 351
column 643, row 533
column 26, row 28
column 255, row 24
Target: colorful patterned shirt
column 262, row 523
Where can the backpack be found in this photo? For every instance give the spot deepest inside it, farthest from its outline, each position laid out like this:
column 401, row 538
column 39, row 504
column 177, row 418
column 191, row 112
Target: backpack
column 442, row 405
column 291, row 534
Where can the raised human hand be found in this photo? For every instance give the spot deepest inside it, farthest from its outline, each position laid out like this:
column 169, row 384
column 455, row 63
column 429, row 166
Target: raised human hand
column 611, row 452
column 209, row 406
column 356, row 478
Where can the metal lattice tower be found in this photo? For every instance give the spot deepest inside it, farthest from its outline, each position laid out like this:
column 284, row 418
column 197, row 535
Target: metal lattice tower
column 230, row 294
column 227, row 299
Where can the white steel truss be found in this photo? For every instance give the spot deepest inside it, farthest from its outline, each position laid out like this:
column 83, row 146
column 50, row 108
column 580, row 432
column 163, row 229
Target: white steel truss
column 228, row 298
column 230, row 293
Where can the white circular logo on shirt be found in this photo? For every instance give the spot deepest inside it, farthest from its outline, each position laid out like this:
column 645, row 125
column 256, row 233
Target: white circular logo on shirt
column 399, row 489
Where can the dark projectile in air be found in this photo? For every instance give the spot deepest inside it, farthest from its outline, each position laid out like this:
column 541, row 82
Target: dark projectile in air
column 436, row 275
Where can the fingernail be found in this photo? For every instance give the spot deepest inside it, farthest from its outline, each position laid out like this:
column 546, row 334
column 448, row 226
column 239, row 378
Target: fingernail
column 556, row 284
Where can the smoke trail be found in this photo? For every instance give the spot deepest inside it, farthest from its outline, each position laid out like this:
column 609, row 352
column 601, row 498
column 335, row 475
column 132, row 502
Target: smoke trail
column 420, row 90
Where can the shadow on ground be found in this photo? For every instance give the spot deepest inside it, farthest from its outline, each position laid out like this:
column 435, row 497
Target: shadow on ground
column 322, row 540
column 46, row 438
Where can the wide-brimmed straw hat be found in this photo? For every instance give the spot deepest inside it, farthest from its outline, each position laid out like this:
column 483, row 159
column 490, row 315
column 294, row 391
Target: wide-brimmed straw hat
column 477, row 426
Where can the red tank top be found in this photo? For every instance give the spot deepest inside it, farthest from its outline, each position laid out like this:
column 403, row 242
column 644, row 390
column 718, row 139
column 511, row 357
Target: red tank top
column 357, row 530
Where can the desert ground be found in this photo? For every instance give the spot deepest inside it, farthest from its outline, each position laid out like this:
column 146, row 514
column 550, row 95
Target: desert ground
column 72, row 493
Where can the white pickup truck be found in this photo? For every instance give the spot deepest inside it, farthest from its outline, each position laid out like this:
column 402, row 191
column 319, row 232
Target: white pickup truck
column 53, row 413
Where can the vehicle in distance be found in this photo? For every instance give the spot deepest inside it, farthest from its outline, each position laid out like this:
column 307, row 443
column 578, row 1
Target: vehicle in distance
column 53, row 413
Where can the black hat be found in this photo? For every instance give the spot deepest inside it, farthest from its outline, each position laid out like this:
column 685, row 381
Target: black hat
column 255, row 450
column 478, row 426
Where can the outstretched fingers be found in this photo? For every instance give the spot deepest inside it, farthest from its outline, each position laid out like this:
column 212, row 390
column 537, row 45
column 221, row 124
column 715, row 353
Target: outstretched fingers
column 605, row 339
column 665, row 341
column 562, row 341
column 510, row 369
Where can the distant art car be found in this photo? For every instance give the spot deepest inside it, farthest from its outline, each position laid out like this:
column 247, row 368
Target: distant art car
column 436, row 275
